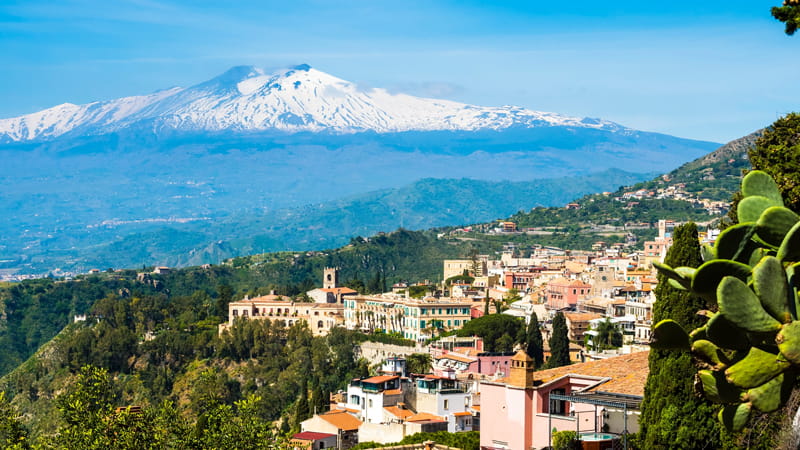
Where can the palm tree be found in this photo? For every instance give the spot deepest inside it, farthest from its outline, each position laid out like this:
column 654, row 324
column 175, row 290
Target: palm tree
column 608, row 335
column 418, row 362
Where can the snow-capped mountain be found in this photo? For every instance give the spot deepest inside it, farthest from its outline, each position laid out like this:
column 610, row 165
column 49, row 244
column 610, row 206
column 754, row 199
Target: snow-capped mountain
column 301, row 98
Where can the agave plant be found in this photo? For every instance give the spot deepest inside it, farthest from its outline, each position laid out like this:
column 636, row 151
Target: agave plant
column 748, row 352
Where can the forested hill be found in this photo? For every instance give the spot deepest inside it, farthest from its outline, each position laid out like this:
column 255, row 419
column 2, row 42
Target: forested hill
column 33, row 311
column 155, row 336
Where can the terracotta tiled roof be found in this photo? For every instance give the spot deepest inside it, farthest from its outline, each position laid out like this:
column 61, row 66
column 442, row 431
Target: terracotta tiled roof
column 468, row 351
column 341, row 419
column 340, row 290
column 380, row 379
column 476, row 407
column 422, row 417
column 628, row 373
column 398, row 412
column 464, row 413
column 582, row 317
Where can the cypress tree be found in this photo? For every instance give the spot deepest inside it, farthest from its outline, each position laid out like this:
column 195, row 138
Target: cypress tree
column 534, row 342
column 559, row 343
column 302, row 411
column 673, row 415
column 320, row 400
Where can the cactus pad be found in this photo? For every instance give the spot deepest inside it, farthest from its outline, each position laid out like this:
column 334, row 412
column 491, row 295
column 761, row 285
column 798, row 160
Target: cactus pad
column 772, row 288
column 774, row 223
column 667, row 334
column 788, row 341
column 742, row 307
column 755, row 369
column 758, row 182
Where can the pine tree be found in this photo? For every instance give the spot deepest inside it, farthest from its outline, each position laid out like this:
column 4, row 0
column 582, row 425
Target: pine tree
column 534, row 342
column 559, row 343
column 673, row 416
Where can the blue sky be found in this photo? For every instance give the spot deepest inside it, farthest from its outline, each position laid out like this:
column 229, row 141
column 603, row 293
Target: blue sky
column 713, row 70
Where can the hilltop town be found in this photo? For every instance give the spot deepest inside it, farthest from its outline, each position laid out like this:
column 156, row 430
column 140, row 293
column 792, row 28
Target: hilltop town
column 469, row 384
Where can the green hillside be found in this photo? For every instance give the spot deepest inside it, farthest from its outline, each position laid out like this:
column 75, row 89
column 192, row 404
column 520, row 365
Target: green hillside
column 714, row 177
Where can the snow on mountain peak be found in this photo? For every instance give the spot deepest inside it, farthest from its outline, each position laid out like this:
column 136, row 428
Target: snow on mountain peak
column 298, row 98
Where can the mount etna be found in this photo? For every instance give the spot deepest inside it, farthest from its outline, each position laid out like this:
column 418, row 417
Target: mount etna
column 294, row 159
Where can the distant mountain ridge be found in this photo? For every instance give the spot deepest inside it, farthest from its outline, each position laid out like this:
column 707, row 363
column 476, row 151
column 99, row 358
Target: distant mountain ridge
column 246, row 98
column 423, row 204
column 96, row 183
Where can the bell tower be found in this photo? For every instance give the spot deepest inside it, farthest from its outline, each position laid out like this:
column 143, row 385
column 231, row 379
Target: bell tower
column 330, row 278
column 522, row 369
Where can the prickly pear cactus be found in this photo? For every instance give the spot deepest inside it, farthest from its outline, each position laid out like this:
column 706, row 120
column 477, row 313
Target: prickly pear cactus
column 748, row 353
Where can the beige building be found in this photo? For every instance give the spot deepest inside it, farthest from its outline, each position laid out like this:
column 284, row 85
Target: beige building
column 578, row 323
column 455, row 267
column 416, row 319
column 320, row 317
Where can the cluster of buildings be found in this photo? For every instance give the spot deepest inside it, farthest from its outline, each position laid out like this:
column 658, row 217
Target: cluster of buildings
column 677, row 191
column 513, row 404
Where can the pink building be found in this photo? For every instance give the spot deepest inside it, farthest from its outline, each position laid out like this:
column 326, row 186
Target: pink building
column 564, row 293
column 490, row 363
column 521, row 281
column 517, row 412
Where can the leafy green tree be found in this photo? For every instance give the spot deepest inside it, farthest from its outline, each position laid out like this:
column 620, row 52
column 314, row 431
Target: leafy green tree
column 777, row 152
column 356, row 284
column 789, row 14
column 534, row 345
column 84, row 407
column 492, row 328
column 419, row 362
column 13, row 434
column 673, row 416
column 559, row 343
column 505, row 343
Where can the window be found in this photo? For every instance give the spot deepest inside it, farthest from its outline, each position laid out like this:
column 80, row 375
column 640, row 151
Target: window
column 370, row 403
column 558, row 407
column 235, row 312
column 447, row 404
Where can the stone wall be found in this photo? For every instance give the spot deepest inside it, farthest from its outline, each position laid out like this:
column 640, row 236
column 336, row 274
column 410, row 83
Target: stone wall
column 375, row 352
